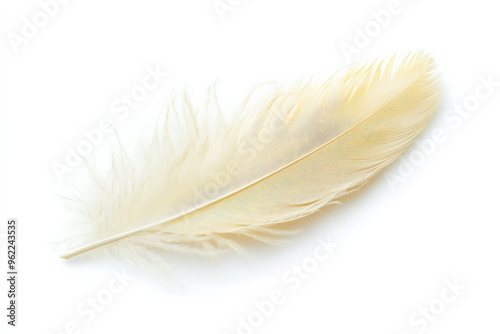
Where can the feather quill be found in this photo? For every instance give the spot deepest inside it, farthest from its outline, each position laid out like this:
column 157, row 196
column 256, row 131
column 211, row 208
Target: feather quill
column 197, row 188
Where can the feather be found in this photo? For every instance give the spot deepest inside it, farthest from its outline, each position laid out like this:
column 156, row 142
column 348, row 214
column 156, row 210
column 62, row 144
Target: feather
column 203, row 183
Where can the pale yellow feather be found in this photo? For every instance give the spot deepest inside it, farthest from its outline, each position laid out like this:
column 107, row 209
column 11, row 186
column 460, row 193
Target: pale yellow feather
column 198, row 187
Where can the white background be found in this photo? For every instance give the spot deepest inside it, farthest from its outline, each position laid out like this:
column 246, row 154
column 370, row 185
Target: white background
column 399, row 244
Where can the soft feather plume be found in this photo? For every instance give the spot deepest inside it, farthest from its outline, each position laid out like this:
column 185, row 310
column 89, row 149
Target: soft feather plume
column 197, row 188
